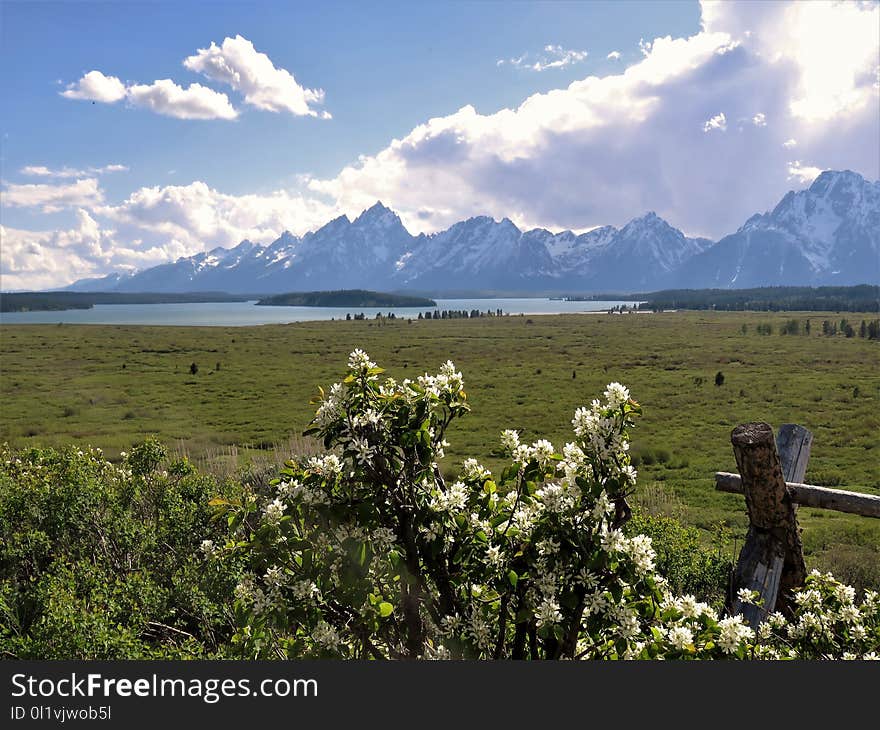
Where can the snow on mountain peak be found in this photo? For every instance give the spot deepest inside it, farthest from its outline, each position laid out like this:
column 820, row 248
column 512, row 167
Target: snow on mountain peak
column 378, row 216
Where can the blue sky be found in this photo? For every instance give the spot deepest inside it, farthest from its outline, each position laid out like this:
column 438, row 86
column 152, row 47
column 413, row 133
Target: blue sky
column 443, row 110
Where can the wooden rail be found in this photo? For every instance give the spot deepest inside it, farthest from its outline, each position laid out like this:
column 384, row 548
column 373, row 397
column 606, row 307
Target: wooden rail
column 809, row 495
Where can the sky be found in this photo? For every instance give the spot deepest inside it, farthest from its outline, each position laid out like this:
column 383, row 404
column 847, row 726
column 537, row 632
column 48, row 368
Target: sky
column 134, row 133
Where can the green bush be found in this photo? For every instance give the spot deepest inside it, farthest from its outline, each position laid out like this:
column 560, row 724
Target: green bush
column 102, row 561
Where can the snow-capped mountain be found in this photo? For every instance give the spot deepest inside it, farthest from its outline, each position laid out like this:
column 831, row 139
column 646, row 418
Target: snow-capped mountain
column 827, row 234
column 638, row 255
column 480, row 253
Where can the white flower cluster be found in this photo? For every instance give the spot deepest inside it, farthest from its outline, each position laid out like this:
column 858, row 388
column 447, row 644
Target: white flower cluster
column 616, row 395
column 297, row 491
column 597, row 426
column 326, row 635
column 558, row 497
column 548, row 613
column 453, row 499
column 359, row 360
column 327, row 465
column 448, row 382
column 332, row 407
column 733, row 632
column 474, row 471
column 274, row 511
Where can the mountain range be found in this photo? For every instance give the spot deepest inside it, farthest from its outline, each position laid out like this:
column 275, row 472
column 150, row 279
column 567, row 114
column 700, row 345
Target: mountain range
column 827, row 234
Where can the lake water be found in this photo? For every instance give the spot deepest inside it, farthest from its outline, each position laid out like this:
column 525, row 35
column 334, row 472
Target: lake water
column 239, row 314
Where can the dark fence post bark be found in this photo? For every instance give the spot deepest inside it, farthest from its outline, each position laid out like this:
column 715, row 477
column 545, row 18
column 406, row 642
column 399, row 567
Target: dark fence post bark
column 771, row 561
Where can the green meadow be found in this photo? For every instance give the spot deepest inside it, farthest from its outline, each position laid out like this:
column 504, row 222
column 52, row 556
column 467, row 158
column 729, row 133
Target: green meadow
column 248, row 401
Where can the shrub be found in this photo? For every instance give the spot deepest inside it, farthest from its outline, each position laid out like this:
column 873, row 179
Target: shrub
column 367, row 552
column 102, row 561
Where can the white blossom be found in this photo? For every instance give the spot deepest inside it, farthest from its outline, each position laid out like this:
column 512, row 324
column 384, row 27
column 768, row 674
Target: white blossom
column 680, row 637
column 616, row 395
column 473, row 470
column 274, row 511
column 548, row 612
column 510, row 440
column 325, row 635
column 359, row 360
column 732, row 632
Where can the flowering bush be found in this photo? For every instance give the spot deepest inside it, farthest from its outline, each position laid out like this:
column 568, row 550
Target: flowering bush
column 367, row 552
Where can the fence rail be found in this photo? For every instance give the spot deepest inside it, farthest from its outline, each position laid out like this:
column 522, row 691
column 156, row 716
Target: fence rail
column 809, row 495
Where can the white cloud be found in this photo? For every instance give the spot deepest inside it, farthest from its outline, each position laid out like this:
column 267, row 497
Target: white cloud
column 719, row 121
column 195, row 102
column 95, row 86
column 68, row 172
column 553, row 56
column 152, row 226
column 830, row 47
column 804, row 174
column 197, row 217
column 759, row 120
column 613, row 56
column 605, row 149
column 52, row 198
column 163, row 96
column 789, row 143
column 238, row 64
column 235, row 63
column 44, row 259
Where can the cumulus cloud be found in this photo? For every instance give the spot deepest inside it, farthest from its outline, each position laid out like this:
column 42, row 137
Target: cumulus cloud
column 789, row 143
column 95, row 86
column 152, row 226
column 43, row 259
column 719, row 121
column 830, row 47
column 196, row 217
column 605, row 149
column 52, row 198
column 68, row 172
column 553, row 56
column 238, row 64
column 194, row 102
column 613, row 56
column 163, row 96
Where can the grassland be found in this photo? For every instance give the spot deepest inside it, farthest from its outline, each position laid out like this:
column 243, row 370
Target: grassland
column 109, row 386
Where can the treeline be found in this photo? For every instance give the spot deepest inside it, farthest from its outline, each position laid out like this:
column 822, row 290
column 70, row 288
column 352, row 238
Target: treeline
column 60, row 300
column 866, row 329
column 861, row 298
column 460, row 314
column 345, row 298
column 436, row 314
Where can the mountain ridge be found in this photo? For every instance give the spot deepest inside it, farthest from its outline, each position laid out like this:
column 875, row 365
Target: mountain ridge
column 826, row 234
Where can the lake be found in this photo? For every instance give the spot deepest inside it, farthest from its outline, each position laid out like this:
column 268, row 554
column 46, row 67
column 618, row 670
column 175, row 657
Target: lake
column 240, row 314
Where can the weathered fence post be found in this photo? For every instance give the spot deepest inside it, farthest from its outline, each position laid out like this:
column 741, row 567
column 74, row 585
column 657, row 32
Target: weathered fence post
column 771, row 561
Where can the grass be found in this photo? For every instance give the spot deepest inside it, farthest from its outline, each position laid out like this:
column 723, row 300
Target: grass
column 110, row 386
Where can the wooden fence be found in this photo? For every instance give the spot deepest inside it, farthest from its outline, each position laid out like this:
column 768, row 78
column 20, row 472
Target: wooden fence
column 771, row 473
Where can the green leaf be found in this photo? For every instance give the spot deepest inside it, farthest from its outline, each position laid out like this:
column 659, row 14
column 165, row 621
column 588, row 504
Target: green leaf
column 512, row 577
column 385, row 609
